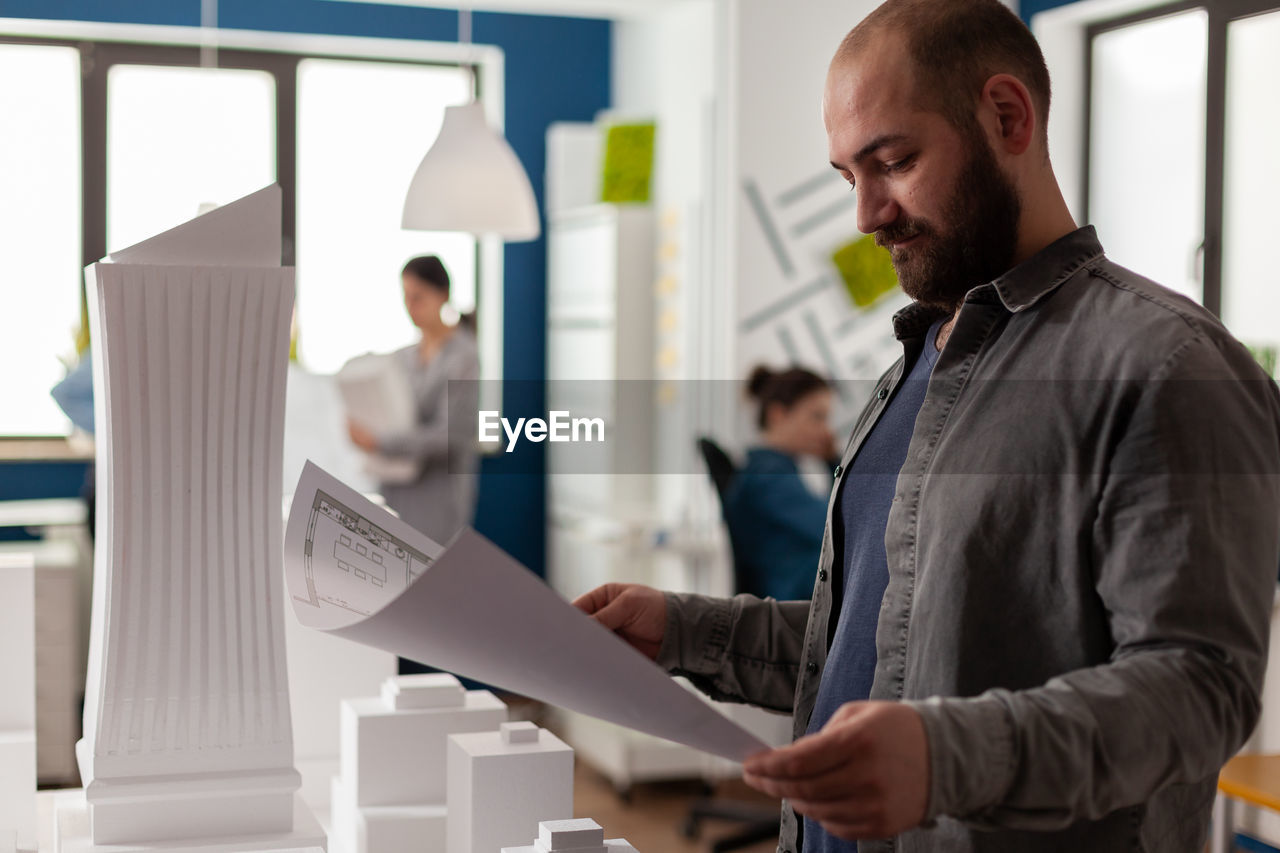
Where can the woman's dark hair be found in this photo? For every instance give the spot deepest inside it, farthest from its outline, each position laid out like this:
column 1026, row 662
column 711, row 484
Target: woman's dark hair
column 429, row 270
column 785, row 387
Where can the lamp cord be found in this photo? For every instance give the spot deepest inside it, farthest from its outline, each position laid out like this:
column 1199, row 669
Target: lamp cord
column 464, row 38
column 208, row 33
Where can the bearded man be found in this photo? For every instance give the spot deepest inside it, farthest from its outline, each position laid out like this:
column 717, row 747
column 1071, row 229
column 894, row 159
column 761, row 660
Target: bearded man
column 1040, row 618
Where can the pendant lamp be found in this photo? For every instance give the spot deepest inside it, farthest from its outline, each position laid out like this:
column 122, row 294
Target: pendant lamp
column 470, row 180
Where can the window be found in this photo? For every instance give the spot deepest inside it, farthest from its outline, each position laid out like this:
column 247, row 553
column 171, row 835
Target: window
column 39, row 232
column 350, row 246
column 1180, row 160
column 1148, row 95
column 340, row 123
column 1250, row 280
column 180, row 140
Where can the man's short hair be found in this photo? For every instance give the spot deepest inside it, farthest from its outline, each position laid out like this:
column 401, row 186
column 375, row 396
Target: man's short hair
column 955, row 47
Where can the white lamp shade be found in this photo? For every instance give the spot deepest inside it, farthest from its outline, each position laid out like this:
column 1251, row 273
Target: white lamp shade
column 471, row 181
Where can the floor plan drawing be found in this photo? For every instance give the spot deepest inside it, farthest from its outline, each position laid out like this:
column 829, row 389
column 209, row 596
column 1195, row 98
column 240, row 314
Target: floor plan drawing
column 373, row 561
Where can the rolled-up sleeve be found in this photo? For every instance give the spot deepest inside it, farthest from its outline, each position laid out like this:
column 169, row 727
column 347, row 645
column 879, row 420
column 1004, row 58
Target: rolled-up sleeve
column 1186, row 544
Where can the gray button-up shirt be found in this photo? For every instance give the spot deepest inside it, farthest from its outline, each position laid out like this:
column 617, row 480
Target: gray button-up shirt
column 1082, row 559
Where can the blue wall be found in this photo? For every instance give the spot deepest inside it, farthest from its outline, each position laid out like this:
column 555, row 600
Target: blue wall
column 557, row 69
column 1028, row 8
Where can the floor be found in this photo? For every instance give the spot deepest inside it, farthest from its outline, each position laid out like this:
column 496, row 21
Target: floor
column 652, row 818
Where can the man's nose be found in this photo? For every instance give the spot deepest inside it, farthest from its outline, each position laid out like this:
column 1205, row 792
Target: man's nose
column 876, row 209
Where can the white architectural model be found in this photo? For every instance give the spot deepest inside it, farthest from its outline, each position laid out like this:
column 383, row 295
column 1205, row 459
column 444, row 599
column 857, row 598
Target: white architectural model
column 390, row 794
column 573, row 836
column 501, row 784
column 17, row 703
column 187, row 730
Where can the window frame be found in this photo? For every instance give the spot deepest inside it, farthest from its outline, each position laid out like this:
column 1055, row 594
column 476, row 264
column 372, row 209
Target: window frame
column 101, row 46
column 1220, row 14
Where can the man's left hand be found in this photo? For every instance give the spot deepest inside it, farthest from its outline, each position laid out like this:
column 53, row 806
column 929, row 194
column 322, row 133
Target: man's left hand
column 865, row 774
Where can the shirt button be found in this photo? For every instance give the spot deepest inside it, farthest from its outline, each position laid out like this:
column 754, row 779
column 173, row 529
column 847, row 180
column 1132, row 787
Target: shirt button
column 811, row 668
column 839, row 471
column 882, row 393
column 822, row 575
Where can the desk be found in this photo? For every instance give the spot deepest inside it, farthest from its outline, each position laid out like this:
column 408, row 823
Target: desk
column 1250, row 779
column 41, row 514
column 63, row 560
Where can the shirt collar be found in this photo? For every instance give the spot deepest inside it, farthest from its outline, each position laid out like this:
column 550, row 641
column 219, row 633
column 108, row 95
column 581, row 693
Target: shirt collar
column 1019, row 288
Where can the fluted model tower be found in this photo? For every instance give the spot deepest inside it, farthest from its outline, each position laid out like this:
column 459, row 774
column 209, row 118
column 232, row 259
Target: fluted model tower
column 186, row 727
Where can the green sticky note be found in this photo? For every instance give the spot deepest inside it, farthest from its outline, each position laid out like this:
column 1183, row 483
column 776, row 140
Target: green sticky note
column 867, row 270
column 628, row 163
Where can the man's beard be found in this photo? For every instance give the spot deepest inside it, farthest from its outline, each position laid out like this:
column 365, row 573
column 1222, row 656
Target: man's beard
column 984, row 211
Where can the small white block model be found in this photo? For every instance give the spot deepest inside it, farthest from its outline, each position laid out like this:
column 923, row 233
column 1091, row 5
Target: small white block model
column 390, row 794
column 502, row 783
column 396, row 757
column 429, row 690
column 573, row 836
column 17, row 703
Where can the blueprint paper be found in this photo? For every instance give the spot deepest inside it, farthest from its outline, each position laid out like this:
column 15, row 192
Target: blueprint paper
column 355, row 570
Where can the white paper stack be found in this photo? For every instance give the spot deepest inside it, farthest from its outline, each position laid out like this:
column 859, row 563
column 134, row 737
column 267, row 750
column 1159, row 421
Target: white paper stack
column 17, row 703
column 187, row 728
column 377, row 395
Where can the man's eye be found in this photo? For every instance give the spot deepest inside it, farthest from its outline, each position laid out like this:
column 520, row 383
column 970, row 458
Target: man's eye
column 899, row 165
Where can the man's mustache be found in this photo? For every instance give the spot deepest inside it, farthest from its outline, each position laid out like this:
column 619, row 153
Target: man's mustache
column 886, row 237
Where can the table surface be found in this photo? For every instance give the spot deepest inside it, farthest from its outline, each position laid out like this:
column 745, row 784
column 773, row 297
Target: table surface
column 1253, row 779
column 49, row 512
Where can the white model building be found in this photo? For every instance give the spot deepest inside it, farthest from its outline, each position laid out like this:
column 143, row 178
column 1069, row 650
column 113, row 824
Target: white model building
column 389, row 796
column 17, row 703
column 502, row 783
column 573, row 836
column 187, row 731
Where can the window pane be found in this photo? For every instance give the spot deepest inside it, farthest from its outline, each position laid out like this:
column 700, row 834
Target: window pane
column 39, row 232
column 1250, row 280
column 1146, row 173
column 180, row 138
column 363, row 127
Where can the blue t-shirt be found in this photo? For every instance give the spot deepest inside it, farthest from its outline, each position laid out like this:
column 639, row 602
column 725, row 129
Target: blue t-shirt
column 776, row 526
column 866, row 496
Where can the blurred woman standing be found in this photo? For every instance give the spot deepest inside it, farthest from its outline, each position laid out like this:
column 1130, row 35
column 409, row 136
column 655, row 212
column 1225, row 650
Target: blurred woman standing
column 441, row 498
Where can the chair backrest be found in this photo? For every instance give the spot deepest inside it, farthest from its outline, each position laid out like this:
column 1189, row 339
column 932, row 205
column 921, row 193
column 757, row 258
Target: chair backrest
column 719, row 466
column 722, row 471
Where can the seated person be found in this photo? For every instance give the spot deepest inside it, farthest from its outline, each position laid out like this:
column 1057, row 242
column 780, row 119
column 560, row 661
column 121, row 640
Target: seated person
column 775, row 521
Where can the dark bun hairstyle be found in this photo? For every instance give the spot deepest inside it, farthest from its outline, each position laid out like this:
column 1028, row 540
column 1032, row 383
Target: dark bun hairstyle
column 784, row 387
column 429, row 270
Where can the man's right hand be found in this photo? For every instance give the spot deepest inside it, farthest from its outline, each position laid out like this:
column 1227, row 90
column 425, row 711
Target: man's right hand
column 637, row 614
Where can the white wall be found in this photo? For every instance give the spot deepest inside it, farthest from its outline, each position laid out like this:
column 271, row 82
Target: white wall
column 781, row 56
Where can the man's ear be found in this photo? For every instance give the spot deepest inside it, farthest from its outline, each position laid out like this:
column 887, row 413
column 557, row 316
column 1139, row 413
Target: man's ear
column 1006, row 99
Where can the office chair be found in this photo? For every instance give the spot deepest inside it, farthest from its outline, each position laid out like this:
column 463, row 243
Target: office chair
column 761, row 823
